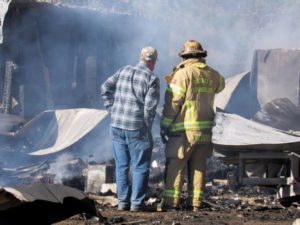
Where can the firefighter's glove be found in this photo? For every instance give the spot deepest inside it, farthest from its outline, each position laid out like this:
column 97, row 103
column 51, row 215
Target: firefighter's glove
column 164, row 134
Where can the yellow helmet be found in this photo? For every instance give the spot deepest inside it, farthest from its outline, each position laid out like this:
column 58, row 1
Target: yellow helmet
column 192, row 47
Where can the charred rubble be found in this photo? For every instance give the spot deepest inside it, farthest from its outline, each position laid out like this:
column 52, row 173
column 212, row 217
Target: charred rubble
column 263, row 141
column 53, row 57
column 50, row 71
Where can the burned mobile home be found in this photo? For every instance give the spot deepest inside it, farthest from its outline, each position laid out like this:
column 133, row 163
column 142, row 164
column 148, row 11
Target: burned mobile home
column 259, row 130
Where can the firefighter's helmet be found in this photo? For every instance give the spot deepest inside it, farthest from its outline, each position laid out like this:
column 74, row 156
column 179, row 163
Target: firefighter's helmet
column 192, row 48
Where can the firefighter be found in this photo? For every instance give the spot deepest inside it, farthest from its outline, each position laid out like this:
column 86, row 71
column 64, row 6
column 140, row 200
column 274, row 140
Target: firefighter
column 186, row 125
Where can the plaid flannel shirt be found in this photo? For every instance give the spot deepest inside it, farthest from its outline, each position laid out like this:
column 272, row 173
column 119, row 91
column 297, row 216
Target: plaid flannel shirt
column 131, row 96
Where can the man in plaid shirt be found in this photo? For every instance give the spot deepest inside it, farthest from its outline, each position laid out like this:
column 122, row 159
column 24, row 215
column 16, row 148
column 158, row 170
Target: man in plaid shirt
column 131, row 96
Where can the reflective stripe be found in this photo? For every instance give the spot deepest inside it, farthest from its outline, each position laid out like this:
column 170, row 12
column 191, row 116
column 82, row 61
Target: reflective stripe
column 192, row 125
column 175, row 89
column 166, row 122
column 201, row 65
column 171, row 193
column 204, row 138
column 197, row 90
column 196, row 194
column 203, row 85
column 221, row 84
column 189, row 111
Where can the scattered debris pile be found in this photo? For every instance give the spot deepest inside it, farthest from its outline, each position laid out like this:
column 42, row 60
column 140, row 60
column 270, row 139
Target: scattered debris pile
column 266, row 152
column 260, row 133
column 223, row 204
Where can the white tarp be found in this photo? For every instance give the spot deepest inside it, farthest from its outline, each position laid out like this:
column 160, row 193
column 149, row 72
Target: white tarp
column 72, row 125
column 55, row 130
column 4, row 4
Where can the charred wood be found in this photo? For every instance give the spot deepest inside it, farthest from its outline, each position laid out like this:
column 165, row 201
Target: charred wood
column 7, row 95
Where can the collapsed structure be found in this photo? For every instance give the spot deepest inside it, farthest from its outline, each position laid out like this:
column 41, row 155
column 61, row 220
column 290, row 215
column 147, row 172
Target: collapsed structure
column 54, row 54
column 266, row 148
column 53, row 57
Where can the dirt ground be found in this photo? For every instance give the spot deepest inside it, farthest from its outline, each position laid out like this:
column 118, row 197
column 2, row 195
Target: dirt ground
column 205, row 216
column 222, row 205
column 247, row 205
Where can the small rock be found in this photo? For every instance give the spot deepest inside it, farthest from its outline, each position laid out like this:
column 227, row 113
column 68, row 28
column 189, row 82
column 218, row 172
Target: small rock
column 176, row 223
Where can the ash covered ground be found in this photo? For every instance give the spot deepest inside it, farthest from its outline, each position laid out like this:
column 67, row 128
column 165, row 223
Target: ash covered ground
column 225, row 202
column 247, row 205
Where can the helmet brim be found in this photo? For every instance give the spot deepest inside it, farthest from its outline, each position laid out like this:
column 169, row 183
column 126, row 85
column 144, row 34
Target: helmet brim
column 201, row 53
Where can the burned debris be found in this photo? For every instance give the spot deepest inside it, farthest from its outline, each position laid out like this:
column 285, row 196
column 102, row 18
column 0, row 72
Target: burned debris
column 266, row 147
column 51, row 56
column 42, row 204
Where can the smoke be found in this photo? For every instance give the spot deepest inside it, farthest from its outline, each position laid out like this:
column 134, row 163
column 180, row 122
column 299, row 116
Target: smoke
column 97, row 145
column 229, row 30
column 65, row 167
column 65, row 52
column 58, row 45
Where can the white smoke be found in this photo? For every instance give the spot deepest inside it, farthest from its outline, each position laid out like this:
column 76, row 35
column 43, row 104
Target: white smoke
column 229, row 30
column 64, row 168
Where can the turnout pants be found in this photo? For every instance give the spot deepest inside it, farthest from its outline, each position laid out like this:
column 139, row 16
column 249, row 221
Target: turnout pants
column 181, row 155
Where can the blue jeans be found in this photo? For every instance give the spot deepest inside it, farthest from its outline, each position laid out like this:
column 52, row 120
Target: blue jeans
column 131, row 148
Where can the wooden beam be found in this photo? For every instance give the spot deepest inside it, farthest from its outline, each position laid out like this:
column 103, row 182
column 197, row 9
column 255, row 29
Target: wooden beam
column 7, row 95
